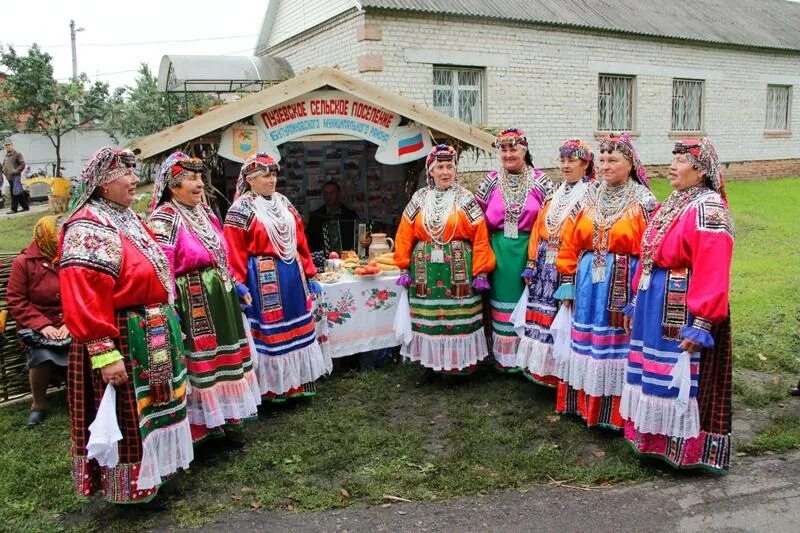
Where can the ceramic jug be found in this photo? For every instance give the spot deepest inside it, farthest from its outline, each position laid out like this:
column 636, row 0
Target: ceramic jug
column 379, row 245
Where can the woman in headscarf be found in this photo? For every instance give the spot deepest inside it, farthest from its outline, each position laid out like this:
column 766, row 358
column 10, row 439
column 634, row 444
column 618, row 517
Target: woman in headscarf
column 511, row 199
column 224, row 391
column 443, row 241
column 34, row 299
column 117, row 291
column 677, row 396
column 598, row 256
column 270, row 257
column 535, row 353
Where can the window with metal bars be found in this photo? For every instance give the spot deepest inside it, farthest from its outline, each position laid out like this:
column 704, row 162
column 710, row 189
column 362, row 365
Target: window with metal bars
column 615, row 103
column 778, row 97
column 687, row 105
column 458, row 92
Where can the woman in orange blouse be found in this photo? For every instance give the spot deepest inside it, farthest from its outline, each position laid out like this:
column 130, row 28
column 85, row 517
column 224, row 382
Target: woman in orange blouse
column 444, row 242
column 598, row 256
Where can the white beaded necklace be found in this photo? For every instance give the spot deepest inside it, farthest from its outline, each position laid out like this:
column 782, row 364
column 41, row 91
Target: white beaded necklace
column 565, row 199
column 273, row 213
column 438, row 206
column 200, row 225
column 514, row 189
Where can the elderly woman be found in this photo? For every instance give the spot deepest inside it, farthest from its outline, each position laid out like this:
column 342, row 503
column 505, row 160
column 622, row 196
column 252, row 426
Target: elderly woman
column 535, row 353
column 224, row 391
column 444, row 242
column 598, row 256
column 117, row 291
column 677, row 396
column 34, row 299
column 270, row 256
column 511, row 199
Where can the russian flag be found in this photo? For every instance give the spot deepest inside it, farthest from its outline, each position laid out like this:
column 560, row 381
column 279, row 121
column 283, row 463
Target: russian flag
column 410, row 145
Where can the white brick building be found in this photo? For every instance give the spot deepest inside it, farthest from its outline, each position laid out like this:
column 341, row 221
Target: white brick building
column 663, row 70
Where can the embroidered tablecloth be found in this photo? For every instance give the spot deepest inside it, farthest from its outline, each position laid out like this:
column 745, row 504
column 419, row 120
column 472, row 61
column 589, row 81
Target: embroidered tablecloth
column 357, row 315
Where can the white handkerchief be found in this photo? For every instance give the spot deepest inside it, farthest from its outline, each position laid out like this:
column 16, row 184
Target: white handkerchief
column 518, row 315
column 560, row 330
column 104, row 432
column 402, row 319
column 682, row 379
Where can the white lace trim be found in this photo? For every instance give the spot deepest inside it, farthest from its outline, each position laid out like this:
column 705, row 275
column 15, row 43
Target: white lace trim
column 164, row 451
column 447, row 352
column 281, row 373
column 596, row 377
column 504, row 350
column 651, row 414
column 224, row 401
column 536, row 357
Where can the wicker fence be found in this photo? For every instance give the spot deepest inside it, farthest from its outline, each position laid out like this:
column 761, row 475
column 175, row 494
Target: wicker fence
column 13, row 375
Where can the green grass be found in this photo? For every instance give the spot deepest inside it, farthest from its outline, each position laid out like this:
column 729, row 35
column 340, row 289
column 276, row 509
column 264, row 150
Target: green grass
column 372, row 434
column 17, row 232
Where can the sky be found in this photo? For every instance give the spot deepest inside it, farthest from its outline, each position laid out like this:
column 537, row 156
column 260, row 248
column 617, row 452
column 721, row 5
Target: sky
column 118, row 36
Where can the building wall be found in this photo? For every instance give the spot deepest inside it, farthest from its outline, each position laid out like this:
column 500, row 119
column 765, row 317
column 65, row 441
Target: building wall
column 294, row 16
column 545, row 79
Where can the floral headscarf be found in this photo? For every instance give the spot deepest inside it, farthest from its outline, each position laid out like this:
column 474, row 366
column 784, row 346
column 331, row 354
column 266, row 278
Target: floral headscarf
column 703, row 157
column 257, row 162
column 45, row 235
column 172, row 172
column 581, row 150
column 105, row 166
column 623, row 143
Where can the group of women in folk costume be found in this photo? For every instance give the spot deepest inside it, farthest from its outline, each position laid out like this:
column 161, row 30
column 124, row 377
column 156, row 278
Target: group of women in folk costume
column 645, row 288
column 161, row 343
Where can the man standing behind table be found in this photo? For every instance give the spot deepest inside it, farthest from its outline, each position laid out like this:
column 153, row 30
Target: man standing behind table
column 13, row 165
column 332, row 210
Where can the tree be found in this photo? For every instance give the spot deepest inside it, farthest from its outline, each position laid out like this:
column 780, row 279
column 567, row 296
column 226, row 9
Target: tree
column 34, row 101
column 143, row 109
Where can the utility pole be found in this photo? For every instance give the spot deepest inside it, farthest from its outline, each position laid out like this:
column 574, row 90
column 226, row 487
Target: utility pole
column 76, row 156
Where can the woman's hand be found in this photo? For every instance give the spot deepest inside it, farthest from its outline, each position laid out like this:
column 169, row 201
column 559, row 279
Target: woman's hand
column 247, row 299
column 690, row 346
column 627, row 323
column 49, row 332
column 365, row 240
column 114, row 373
column 63, row 332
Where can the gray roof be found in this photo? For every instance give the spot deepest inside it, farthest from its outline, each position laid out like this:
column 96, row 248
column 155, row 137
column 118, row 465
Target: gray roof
column 756, row 23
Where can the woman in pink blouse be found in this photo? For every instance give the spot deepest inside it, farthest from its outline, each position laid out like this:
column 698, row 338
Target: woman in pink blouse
column 676, row 400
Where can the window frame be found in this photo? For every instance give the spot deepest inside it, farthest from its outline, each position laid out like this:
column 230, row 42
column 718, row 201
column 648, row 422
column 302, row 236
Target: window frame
column 700, row 106
column 632, row 97
column 788, row 111
column 455, row 88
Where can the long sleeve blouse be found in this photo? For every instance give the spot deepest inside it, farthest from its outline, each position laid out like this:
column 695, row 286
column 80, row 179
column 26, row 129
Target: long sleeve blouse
column 490, row 197
column 465, row 223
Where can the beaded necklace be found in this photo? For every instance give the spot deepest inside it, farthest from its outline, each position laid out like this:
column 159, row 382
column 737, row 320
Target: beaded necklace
column 129, row 225
column 197, row 221
column 437, row 207
column 273, row 212
column 605, row 206
column 660, row 225
column 514, row 189
column 565, row 200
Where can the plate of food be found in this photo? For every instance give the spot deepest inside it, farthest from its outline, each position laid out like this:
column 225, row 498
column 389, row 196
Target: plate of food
column 329, row 277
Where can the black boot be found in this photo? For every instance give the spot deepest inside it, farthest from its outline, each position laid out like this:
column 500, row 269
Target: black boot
column 424, row 377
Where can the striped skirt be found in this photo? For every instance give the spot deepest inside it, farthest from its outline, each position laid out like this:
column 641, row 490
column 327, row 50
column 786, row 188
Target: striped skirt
column 595, row 373
column 535, row 352
column 507, row 287
column 156, row 439
column 446, row 314
column 288, row 357
column 700, row 436
column 224, row 391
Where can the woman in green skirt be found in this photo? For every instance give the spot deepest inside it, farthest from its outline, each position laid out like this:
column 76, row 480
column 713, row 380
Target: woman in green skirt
column 443, row 242
column 511, row 199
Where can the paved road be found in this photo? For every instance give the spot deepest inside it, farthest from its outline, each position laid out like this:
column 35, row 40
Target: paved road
column 759, row 495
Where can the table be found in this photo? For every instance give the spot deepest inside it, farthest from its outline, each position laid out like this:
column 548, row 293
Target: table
column 357, row 315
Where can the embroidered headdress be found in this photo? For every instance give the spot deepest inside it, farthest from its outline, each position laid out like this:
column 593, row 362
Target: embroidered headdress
column 511, row 137
column 581, row 150
column 623, row 143
column 703, row 156
column 258, row 162
column 172, row 172
column 440, row 152
column 105, row 166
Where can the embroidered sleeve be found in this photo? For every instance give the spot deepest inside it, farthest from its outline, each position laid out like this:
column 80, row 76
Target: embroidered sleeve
column 714, row 217
column 240, row 215
column 238, row 223
column 164, row 224
column 647, row 201
column 93, row 245
column 414, row 205
column 485, row 189
column 545, row 185
column 469, row 205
